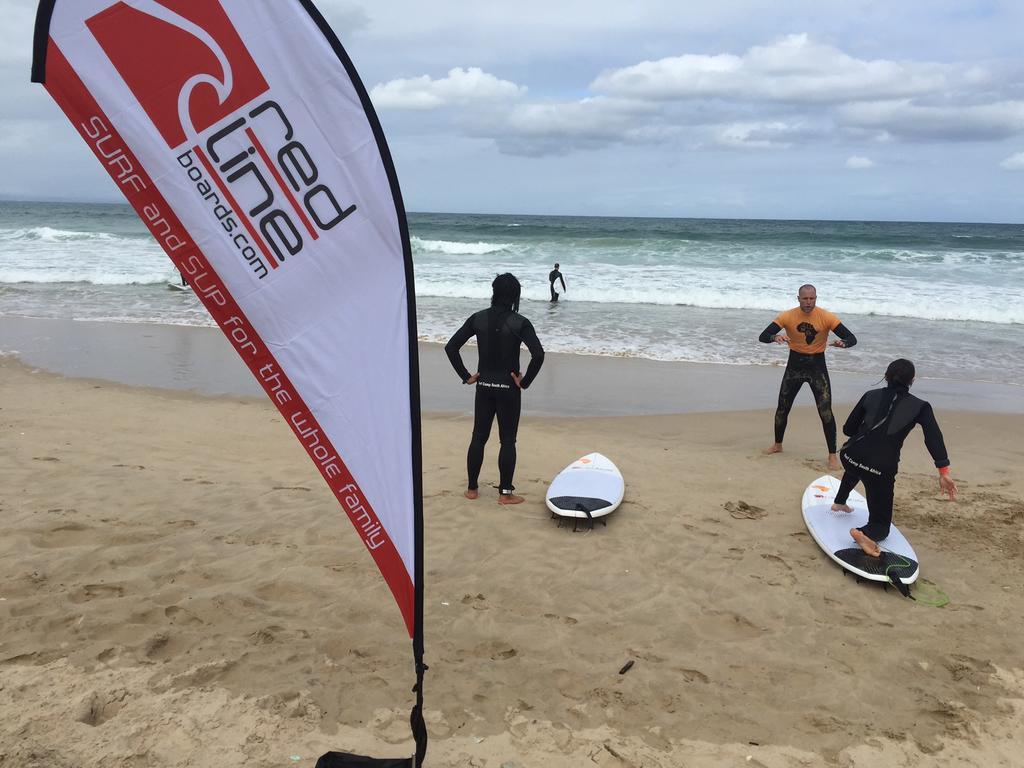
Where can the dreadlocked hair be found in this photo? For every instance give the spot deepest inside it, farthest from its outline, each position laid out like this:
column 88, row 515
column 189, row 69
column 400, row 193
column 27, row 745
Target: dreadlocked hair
column 506, row 291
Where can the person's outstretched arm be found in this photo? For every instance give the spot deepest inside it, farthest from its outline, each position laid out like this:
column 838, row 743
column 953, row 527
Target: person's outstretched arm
column 562, row 279
column 933, row 436
column 529, row 338
column 771, row 333
column 937, row 448
column 846, row 337
column 453, row 346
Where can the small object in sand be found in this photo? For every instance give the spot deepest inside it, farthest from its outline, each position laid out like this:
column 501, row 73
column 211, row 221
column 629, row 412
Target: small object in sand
column 743, row 511
column 626, row 667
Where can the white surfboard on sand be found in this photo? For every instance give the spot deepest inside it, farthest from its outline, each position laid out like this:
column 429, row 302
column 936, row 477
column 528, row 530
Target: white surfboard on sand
column 589, row 488
column 898, row 563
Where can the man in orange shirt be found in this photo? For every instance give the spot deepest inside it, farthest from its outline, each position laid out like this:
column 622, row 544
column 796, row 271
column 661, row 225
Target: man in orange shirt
column 806, row 329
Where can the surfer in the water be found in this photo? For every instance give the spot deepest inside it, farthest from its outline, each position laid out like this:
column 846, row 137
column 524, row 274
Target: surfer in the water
column 499, row 331
column 806, row 329
column 877, row 427
column 553, row 275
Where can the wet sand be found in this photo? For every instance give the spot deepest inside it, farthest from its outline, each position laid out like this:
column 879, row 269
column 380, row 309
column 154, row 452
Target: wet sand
column 201, row 360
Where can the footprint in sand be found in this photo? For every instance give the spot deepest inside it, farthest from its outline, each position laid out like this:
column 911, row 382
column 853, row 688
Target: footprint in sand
column 181, row 617
column 564, row 619
column 788, row 578
column 95, row 591
column 97, row 708
column 157, row 646
column 475, row 601
column 694, row 676
column 743, row 511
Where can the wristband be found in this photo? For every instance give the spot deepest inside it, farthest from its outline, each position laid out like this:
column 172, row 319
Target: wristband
column 944, row 470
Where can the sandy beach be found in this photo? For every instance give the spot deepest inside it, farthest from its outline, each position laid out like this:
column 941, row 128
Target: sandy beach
column 178, row 588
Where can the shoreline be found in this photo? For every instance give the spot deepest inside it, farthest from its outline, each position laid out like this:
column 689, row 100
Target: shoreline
column 199, row 359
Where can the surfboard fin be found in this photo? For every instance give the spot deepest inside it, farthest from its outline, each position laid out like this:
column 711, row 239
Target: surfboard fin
column 904, row 589
column 585, row 511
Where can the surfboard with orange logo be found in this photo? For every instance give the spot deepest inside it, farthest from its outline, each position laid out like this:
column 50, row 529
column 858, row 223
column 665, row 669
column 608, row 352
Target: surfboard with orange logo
column 589, row 488
column 898, row 563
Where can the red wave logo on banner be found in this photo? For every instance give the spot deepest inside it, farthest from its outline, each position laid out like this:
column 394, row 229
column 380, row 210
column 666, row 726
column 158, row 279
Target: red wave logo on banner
column 210, row 116
column 182, row 60
column 189, row 70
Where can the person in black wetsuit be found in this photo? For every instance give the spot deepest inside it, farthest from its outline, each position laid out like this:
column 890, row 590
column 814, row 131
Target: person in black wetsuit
column 877, row 427
column 499, row 331
column 806, row 332
column 554, row 275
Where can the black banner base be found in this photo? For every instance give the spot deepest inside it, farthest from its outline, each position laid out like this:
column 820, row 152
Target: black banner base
column 346, row 760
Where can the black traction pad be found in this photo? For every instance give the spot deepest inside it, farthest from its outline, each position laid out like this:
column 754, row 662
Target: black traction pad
column 579, row 503
column 885, row 566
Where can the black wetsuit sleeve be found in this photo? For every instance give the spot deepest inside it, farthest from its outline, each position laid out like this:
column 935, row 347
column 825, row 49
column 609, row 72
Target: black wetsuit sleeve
column 844, row 333
column 855, row 419
column 768, row 334
column 453, row 346
column 529, row 338
column 562, row 279
column 933, row 436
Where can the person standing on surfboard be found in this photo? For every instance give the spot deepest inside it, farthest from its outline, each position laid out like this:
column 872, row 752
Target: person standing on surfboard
column 806, row 332
column 877, row 427
column 554, row 275
column 499, row 331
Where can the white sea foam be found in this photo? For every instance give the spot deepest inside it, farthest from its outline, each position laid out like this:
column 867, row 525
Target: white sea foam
column 51, row 235
column 766, row 290
column 85, row 275
column 453, row 248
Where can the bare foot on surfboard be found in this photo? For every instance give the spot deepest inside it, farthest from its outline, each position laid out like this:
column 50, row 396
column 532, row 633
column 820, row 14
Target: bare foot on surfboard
column 870, row 548
column 833, row 462
column 842, row 508
column 510, row 498
column 773, row 448
column 471, row 493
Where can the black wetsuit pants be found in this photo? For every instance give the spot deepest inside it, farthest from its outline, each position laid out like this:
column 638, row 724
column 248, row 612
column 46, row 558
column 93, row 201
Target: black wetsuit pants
column 812, row 370
column 506, row 405
column 878, row 491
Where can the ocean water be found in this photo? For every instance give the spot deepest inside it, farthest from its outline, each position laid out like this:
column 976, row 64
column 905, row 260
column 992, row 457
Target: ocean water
column 948, row 296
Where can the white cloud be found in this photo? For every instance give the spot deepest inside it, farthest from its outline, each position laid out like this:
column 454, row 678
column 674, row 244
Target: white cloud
column 559, row 127
column 754, row 136
column 858, row 163
column 953, row 122
column 460, row 88
column 1013, row 162
column 795, row 69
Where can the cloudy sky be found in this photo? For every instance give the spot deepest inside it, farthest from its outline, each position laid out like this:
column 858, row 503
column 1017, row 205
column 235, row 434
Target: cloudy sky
column 831, row 109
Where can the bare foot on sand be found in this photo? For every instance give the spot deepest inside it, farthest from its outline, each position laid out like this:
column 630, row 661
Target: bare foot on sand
column 833, row 462
column 471, row 493
column 842, row 508
column 773, row 448
column 510, row 498
column 869, row 547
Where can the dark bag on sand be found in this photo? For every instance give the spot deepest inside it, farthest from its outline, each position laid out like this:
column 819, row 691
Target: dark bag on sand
column 346, row 760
